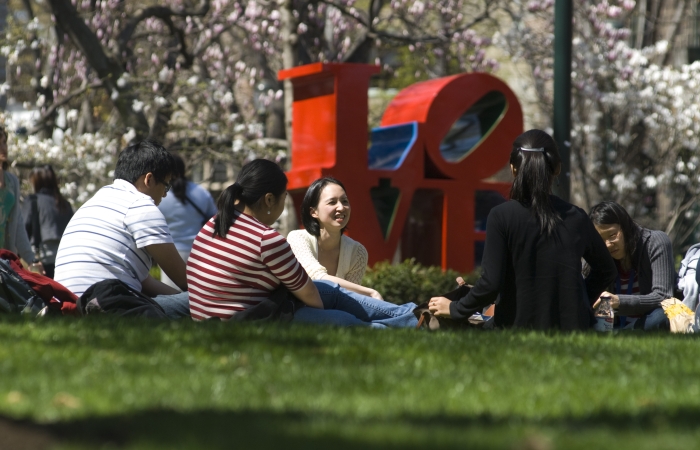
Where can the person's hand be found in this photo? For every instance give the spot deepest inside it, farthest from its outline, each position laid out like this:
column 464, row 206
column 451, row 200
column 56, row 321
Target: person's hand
column 614, row 300
column 460, row 281
column 37, row 267
column 440, row 306
column 375, row 294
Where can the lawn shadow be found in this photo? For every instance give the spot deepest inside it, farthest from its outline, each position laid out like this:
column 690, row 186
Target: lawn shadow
column 220, row 429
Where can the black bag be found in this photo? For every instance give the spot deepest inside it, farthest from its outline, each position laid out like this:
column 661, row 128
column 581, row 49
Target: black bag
column 281, row 307
column 117, row 298
column 15, row 293
column 430, row 321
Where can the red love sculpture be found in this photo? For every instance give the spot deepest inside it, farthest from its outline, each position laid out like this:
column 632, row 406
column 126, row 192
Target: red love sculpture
column 414, row 189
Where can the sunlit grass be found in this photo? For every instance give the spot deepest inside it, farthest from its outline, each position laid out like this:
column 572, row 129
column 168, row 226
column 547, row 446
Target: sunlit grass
column 197, row 385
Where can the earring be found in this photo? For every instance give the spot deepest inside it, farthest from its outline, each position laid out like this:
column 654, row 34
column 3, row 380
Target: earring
column 268, row 211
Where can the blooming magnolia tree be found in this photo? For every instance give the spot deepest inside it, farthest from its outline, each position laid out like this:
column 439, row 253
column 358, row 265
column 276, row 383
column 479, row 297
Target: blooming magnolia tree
column 635, row 121
column 83, row 162
column 202, row 73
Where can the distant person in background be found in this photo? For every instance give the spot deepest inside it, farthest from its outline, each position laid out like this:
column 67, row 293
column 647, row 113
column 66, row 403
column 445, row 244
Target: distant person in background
column 645, row 271
column 46, row 215
column 13, row 236
column 322, row 248
column 186, row 210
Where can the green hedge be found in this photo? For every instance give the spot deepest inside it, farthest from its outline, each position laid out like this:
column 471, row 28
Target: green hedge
column 411, row 281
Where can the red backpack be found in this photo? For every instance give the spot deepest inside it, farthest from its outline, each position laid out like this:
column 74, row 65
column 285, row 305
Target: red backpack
column 56, row 296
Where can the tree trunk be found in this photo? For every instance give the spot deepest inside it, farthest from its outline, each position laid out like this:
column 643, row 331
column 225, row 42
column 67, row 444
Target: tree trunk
column 108, row 70
column 289, row 60
column 85, row 123
column 674, row 29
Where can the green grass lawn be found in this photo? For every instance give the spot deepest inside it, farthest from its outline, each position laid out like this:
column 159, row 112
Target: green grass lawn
column 105, row 383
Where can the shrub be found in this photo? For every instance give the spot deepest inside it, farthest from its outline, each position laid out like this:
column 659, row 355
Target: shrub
column 411, row 281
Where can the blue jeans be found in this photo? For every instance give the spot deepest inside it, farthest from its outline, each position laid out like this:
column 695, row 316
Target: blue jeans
column 654, row 320
column 176, row 306
column 347, row 308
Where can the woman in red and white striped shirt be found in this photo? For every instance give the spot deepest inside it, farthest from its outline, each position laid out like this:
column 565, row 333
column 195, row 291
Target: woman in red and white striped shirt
column 237, row 260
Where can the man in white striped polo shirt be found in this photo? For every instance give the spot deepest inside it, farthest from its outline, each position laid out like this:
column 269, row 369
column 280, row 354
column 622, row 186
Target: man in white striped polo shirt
column 120, row 231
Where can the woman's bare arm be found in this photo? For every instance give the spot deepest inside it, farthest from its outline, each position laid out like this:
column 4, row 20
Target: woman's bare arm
column 309, row 295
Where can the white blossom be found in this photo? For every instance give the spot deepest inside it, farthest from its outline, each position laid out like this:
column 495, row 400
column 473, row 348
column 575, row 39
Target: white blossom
column 650, row 181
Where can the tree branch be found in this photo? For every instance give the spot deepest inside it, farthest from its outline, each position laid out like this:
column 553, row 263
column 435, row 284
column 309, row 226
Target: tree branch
column 426, row 39
column 162, row 12
column 107, row 69
column 54, row 106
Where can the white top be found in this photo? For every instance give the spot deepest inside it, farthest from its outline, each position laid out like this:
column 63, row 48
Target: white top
column 352, row 261
column 183, row 219
column 687, row 281
column 106, row 237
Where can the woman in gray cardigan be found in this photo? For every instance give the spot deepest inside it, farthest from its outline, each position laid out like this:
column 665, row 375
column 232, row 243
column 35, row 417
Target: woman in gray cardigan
column 13, row 236
column 644, row 260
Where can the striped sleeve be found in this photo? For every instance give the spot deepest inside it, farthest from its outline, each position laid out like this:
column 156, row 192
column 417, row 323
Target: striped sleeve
column 146, row 224
column 277, row 255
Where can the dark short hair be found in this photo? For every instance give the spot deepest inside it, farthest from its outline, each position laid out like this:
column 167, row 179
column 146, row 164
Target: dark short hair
column 611, row 213
column 144, row 157
column 311, row 199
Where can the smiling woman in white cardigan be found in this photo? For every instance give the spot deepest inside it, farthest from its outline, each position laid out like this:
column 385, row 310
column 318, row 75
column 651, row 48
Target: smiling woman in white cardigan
column 322, row 248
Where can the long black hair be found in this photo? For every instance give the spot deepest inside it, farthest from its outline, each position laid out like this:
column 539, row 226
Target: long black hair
column 311, row 199
column 257, row 178
column 536, row 160
column 611, row 213
column 179, row 182
column 44, row 180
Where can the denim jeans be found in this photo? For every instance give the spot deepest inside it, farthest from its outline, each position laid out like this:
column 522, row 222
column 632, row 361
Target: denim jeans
column 654, row 320
column 176, row 306
column 347, row 308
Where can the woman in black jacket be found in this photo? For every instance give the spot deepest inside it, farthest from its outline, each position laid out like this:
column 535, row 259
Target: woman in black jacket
column 533, row 251
column 645, row 274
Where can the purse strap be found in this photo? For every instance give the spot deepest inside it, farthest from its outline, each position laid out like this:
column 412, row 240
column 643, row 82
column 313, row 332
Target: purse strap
column 201, row 213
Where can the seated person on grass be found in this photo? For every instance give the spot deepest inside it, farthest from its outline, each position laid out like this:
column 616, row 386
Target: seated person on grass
column 238, row 261
column 533, row 251
column 646, row 275
column 119, row 232
column 322, row 248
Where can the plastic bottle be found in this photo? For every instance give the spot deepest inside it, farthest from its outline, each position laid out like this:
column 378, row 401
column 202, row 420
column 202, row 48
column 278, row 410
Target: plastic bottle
column 604, row 316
